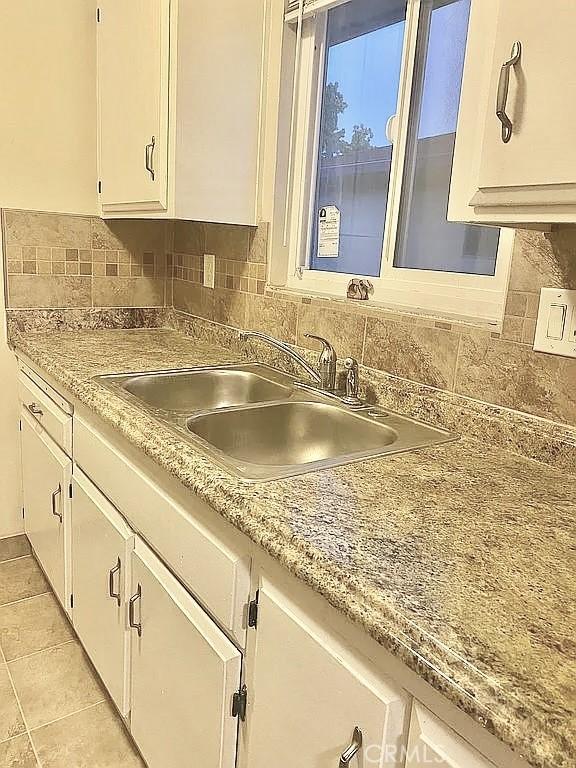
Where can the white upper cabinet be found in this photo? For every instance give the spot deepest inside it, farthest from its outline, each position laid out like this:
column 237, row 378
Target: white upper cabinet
column 312, row 700
column 515, row 160
column 179, row 86
column 133, row 58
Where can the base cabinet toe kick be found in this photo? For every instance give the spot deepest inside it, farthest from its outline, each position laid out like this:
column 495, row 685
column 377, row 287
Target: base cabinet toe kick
column 213, row 654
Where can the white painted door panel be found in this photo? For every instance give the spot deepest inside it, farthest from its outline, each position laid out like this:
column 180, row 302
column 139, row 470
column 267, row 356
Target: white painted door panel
column 133, row 71
column 184, row 674
column 101, row 547
column 309, row 693
column 541, row 103
column 46, row 474
column 432, row 743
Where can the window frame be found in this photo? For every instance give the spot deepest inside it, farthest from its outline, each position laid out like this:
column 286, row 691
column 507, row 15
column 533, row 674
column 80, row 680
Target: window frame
column 446, row 294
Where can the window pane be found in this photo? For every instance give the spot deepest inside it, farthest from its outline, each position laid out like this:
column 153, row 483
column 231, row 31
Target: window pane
column 360, row 90
column 426, row 240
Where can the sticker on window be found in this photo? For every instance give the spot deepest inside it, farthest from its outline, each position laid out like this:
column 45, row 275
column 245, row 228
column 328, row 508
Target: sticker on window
column 328, row 232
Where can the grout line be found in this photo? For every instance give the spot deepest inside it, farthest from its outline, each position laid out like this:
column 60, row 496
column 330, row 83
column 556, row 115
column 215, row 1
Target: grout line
column 11, row 559
column 70, row 714
column 24, row 599
column 364, row 336
column 24, row 720
column 42, row 650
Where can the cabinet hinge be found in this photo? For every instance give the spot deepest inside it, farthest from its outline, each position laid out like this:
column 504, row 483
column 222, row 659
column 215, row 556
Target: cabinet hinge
column 239, row 702
column 70, row 491
column 99, row 187
column 253, row 612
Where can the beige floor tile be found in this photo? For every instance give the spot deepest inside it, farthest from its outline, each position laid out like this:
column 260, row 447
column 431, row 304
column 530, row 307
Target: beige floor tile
column 14, row 546
column 32, row 625
column 11, row 723
column 54, row 683
column 17, row 753
column 19, row 579
column 94, row 738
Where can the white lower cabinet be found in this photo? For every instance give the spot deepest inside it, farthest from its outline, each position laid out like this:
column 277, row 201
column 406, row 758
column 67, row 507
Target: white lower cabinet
column 309, row 693
column 101, row 544
column 432, row 743
column 184, row 674
column 46, row 475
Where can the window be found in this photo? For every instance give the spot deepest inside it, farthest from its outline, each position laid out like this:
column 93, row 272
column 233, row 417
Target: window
column 377, row 91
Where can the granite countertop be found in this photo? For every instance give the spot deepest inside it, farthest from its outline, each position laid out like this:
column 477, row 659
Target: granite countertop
column 460, row 559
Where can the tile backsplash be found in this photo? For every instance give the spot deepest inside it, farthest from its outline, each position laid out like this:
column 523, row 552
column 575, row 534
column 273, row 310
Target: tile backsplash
column 499, row 368
column 76, row 262
column 59, row 261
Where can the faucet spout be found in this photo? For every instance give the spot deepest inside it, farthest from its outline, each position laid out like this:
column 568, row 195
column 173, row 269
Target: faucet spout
column 283, row 347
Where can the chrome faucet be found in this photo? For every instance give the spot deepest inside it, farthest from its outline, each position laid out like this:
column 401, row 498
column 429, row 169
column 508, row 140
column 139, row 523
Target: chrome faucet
column 287, row 349
column 326, row 363
column 352, row 382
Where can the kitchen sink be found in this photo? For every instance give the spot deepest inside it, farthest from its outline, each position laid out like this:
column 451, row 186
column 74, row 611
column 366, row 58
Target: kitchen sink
column 187, row 391
column 289, row 438
column 260, row 424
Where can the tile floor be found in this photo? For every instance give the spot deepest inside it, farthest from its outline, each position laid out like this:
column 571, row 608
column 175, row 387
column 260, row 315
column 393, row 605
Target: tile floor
column 54, row 712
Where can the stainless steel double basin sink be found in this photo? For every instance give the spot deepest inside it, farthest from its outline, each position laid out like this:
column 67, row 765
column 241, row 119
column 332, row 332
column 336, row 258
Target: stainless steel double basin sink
column 260, row 424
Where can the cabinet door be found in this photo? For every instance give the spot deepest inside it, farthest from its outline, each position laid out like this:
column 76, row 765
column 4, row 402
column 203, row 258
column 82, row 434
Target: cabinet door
column 184, row 674
column 133, row 70
column 101, row 547
column 536, row 164
column 432, row 742
column 46, row 474
column 309, row 693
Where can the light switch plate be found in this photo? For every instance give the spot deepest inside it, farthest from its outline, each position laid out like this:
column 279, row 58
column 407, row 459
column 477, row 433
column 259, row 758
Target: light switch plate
column 556, row 324
column 209, row 270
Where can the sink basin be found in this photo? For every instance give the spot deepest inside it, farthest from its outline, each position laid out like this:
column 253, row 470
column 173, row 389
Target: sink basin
column 289, row 438
column 290, row 433
column 208, row 389
column 259, row 424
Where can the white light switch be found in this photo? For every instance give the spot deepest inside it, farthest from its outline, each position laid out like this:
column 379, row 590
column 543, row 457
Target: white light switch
column 556, row 321
column 209, row 270
column 556, row 324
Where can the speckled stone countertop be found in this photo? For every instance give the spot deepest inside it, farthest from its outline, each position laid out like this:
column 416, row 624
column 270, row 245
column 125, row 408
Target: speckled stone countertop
column 460, row 558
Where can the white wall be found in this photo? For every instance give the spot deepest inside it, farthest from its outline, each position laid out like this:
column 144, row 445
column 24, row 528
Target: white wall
column 47, row 157
column 48, row 105
column 10, row 504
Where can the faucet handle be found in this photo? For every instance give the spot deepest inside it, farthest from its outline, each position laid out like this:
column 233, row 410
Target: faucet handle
column 326, row 363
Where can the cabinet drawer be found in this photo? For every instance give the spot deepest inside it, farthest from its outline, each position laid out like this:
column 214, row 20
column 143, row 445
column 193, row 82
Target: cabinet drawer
column 56, row 422
column 432, row 742
column 212, row 564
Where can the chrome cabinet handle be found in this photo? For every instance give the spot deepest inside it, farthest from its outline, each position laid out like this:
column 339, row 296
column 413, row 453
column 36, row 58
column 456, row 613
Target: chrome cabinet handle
column 55, row 494
column 113, row 571
column 352, row 750
column 35, row 409
column 149, row 158
column 502, row 95
column 135, row 624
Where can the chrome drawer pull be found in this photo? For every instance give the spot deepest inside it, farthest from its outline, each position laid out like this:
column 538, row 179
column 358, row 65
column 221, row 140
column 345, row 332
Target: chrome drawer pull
column 55, row 494
column 135, row 624
column 113, row 571
column 352, row 750
column 35, row 409
column 502, row 95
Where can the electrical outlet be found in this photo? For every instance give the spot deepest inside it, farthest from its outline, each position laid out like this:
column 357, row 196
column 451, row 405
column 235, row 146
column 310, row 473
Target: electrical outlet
column 209, row 270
